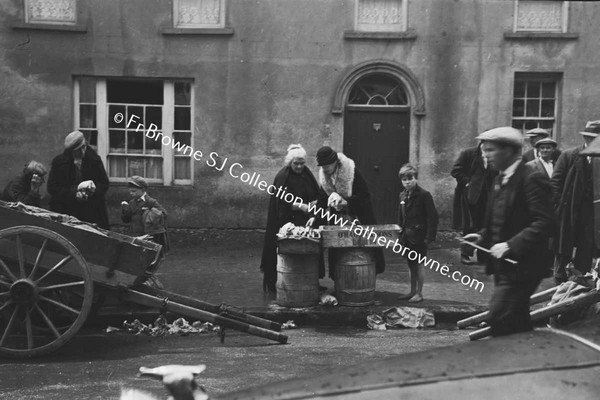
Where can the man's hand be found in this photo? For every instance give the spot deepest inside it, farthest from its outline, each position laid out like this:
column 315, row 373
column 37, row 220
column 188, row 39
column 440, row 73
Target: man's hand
column 473, row 238
column 499, row 250
column 81, row 196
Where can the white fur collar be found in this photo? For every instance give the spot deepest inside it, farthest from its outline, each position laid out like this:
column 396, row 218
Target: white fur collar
column 342, row 179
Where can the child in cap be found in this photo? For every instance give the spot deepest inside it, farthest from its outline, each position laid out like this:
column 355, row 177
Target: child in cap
column 418, row 219
column 144, row 214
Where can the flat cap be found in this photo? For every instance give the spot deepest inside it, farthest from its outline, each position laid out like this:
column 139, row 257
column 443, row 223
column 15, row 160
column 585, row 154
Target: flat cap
column 326, row 156
column 74, row 140
column 592, row 128
column 546, row 141
column 138, row 181
column 503, row 134
column 537, row 132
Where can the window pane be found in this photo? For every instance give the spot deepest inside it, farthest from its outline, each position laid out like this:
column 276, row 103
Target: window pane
column 137, row 92
column 154, row 168
column 135, row 166
column 154, row 116
column 87, row 116
column 112, row 112
column 182, row 168
column 530, row 125
column 87, row 90
column 117, row 167
column 183, row 138
column 153, row 146
column 533, row 89
column 135, row 142
column 518, row 124
column 116, row 141
column 182, row 118
column 533, row 108
column 198, row 13
column 547, row 108
column 518, row 108
column 519, row 89
column 539, row 15
column 182, row 93
column 549, row 125
column 549, row 90
column 139, row 117
column 91, row 137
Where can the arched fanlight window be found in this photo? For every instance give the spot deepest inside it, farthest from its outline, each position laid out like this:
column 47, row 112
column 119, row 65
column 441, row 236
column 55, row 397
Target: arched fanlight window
column 378, row 90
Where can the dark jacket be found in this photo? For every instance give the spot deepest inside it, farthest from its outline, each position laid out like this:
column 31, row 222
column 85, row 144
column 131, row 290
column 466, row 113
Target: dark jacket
column 473, row 183
column 417, row 216
column 527, row 223
column 140, row 215
column 529, row 155
column 538, row 166
column 62, row 186
column 573, row 197
column 19, row 189
column 280, row 213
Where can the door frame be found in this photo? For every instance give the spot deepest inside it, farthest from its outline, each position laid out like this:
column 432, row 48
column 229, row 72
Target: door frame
column 411, row 85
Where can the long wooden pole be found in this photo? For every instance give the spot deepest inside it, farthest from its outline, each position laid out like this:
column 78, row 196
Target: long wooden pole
column 543, row 313
column 190, row 312
column 223, row 309
column 535, row 299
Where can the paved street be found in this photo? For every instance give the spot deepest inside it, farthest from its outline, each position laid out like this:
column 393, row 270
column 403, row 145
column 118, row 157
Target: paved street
column 97, row 365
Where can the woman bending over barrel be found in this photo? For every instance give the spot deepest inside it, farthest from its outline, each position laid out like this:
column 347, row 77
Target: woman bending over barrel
column 296, row 179
column 344, row 191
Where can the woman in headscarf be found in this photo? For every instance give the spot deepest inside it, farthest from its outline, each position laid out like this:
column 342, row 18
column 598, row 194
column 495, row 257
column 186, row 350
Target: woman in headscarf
column 297, row 179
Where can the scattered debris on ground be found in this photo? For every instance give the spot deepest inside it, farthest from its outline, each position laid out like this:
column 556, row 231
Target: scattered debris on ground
column 401, row 317
column 289, row 325
column 161, row 327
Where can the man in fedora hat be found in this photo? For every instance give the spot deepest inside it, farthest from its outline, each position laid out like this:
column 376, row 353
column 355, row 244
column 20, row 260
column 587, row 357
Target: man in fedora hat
column 544, row 163
column 78, row 182
column 573, row 195
column 519, row 219
column 535, row 135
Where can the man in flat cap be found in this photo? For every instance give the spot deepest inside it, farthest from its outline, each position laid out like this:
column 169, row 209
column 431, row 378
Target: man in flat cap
column 78, row 182
column 474, row 178
column 519, row 219
column 26, row 187
column 534, row 136
column 544, row 163
column 573, row 195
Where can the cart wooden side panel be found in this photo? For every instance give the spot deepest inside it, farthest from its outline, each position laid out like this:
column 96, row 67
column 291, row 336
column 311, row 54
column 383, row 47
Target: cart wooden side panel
column 114, row 259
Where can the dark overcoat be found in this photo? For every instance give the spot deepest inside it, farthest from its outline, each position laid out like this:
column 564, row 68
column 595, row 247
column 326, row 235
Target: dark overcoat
column 538, row 166
column 19, row 189
column 473, row 182
column 62, row 186
column 280, row 213
column 527, row 222
column 573, row 207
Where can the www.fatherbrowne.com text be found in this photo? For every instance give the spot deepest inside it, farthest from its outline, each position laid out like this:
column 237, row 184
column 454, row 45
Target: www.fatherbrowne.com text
column 236, row 170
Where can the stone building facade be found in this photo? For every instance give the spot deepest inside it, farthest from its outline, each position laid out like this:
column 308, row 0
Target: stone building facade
column 231, row 83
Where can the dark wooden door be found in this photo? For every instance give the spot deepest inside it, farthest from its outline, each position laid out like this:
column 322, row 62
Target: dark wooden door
column 377, row 139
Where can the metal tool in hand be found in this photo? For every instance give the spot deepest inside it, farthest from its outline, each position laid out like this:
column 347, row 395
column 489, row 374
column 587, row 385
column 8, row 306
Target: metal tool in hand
column 486, row 250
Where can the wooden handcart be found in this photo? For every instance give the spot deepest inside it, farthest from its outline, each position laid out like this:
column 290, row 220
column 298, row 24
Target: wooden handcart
column 54, row 268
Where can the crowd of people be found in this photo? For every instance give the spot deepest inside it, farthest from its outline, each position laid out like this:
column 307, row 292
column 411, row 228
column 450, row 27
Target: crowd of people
column 77, row 184
column 533, row 211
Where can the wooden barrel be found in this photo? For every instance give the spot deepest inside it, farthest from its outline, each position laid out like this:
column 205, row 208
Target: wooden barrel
column 297, row 280
column 354, row 272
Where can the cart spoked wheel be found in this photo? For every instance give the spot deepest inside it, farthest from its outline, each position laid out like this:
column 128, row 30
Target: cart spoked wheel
column 46, row 291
